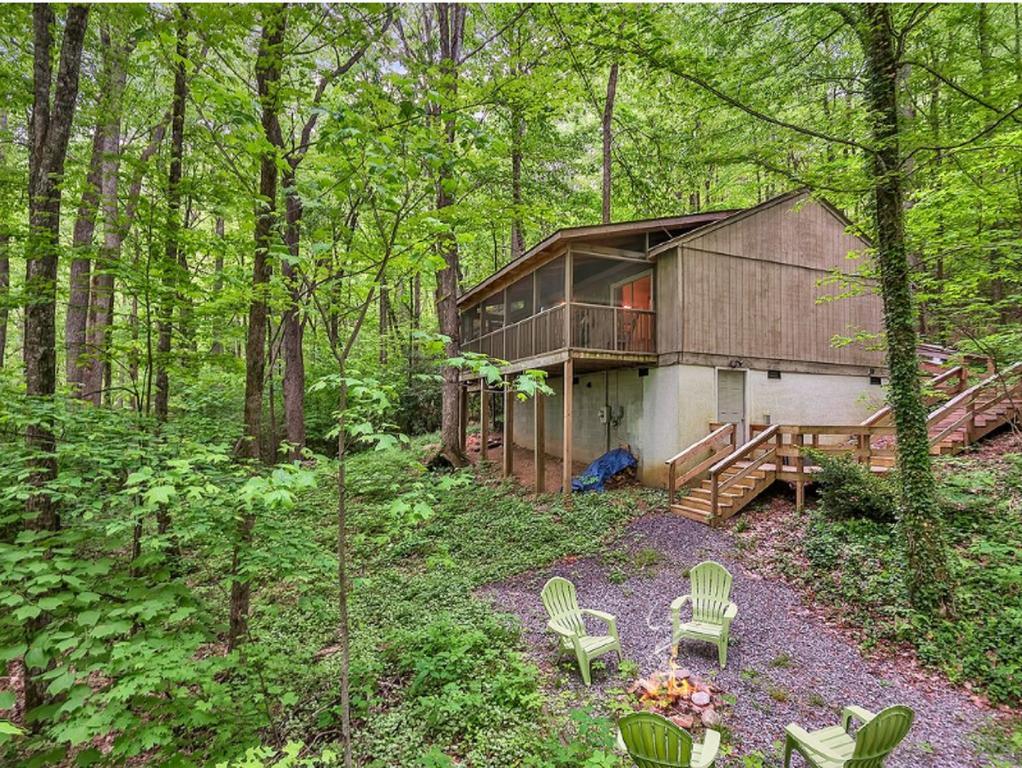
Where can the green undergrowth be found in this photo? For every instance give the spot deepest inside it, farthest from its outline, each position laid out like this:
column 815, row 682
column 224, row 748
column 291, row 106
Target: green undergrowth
column 438, row 676
column 855, row 565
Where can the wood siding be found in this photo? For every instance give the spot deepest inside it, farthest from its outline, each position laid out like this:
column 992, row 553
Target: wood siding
column 752, row 288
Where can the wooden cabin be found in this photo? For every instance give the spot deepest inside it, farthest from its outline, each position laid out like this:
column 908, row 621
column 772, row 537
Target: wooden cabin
column 652, row 330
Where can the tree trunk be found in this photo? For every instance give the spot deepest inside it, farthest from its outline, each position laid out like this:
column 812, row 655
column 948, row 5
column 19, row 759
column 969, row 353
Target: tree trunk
column 292, row 330
column 5, row 290
column 171, row 266
column 267, row 79
column 5, row 261
column 218, row 281
column 608, row 138
column 929, row 574
column 342, row 570
column 49, row 131
column 517, row 134
column 451, row 19
column 101, row 299
column 81, row 265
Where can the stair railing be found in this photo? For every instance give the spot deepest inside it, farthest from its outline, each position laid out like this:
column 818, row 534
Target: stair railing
column 763, row 444
column 967, row 402
column 719, row 443
column 958, row 378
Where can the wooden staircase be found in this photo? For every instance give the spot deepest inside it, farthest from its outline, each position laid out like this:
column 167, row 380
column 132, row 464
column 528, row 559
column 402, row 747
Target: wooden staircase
column 714, row 478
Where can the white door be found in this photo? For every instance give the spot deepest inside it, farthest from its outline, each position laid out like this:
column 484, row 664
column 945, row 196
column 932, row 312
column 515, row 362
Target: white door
column 731, row 400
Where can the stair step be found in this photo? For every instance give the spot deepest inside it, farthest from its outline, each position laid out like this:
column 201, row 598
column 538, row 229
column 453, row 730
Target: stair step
column 698, row 515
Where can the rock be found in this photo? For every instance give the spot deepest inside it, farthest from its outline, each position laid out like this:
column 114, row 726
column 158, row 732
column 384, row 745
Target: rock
column 683, row 721
column 681, row 674
column 710, row 717
column 700, row 698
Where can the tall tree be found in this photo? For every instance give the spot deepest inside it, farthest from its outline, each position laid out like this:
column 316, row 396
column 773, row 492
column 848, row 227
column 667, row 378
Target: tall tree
column 5, row 257
column 50, row 129
column 451, row 22
column 81, row 264
column 608, row 138
column 171, row 261
column 268, row 69
column 117, row 49
column 921, row 523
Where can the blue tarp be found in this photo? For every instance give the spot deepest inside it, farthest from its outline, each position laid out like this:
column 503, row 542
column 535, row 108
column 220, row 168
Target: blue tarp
column 604, row 468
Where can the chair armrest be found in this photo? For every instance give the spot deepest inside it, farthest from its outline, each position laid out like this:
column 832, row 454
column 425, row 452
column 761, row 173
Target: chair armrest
column 606, row 618
column 567, row 634
column 680, row 601
column 858, row 713
column 731, row 612
column 676, row 616
column 708, row 749
column 806, row 741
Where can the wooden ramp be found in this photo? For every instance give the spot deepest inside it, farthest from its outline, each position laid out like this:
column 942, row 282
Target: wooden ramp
column 714, row 478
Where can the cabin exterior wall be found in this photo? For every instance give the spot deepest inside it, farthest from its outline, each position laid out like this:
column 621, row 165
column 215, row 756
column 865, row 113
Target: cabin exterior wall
column 672, row 407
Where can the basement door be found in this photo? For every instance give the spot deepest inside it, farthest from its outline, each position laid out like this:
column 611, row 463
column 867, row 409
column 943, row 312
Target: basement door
column 731, row 400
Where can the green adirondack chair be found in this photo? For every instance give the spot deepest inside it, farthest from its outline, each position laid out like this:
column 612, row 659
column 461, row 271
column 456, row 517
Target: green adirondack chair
column 712, row 609
column 835, row 747
column 566, row 621
column 653, row 741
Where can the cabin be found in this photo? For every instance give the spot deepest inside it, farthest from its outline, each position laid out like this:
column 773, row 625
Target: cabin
column 653, row 333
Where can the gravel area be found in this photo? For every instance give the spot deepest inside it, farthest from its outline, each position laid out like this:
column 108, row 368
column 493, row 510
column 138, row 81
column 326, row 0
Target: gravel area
column 784, row 665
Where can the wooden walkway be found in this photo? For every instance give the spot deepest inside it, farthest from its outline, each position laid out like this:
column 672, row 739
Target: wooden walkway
column 714, row 478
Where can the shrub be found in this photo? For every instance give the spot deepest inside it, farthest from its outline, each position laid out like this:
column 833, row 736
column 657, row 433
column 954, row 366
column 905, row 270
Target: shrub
column 849, row 490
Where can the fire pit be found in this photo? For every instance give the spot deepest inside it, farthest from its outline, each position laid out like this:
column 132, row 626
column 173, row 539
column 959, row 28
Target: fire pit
column 680, row 696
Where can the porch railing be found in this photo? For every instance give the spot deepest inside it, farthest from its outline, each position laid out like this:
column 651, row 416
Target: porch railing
column 592, row 327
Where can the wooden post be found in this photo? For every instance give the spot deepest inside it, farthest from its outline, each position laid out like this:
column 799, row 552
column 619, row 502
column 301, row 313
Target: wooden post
column 568, row 275
column 538, row 407
column 463, row 417
column 800, row 465
column 484, row 419
column 509, row 428
column 569, row 375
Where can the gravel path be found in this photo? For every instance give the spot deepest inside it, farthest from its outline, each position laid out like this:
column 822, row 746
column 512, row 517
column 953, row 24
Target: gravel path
column 783, row 664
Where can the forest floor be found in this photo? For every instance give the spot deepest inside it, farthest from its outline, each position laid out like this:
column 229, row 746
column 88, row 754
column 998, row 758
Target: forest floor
column 525, row 466
column 785, row 664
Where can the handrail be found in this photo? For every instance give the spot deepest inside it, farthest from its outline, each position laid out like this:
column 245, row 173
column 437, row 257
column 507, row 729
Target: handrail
column 971, row 392
column 716, row 486
column 590, row 305
column 727, row 430
column 958, row 371
column 703, row 442
column 741, row 450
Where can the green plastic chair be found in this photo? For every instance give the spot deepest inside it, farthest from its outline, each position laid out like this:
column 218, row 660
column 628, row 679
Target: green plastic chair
column 712, row 609
column 835, row 747
column 653, row 741
column 566, row 621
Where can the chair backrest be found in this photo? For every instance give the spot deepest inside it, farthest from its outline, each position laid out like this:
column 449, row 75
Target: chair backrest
column 877, row 739
column 561, row 604
column 711, row 591
column 653, row 741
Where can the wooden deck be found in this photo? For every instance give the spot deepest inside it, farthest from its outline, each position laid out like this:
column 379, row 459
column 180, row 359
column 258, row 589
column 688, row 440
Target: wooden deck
column 714, row 478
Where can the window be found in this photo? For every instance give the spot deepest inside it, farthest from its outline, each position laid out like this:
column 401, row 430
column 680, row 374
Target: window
column 635, row 294
column 773, row 374
column 519, row 300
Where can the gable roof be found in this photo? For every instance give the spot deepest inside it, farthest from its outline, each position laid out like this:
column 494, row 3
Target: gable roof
column 640, row 226
column 747, row 212
column 694, row 224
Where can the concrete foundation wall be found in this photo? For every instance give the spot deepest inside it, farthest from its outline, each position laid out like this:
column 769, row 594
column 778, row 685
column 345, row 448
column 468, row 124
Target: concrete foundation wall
column 659, row 414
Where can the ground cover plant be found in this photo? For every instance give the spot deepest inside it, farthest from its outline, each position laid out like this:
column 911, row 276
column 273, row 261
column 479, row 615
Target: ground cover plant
column 843, row 552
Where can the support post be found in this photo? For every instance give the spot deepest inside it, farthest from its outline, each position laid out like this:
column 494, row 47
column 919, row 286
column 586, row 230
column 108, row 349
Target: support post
column 538, row 407
column 484, row 419
column 569, row 271
column 509, row 428
column 463, row 417
column 569, row 375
